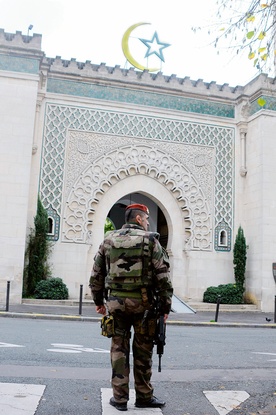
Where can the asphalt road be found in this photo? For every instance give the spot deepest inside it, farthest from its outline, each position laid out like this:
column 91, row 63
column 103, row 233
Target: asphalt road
column 72, row 360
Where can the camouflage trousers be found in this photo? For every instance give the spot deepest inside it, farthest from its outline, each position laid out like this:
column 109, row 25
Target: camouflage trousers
column 128, row 313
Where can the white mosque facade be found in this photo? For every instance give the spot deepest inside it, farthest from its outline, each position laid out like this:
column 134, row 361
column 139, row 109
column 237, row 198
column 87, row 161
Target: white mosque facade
column 89, row 139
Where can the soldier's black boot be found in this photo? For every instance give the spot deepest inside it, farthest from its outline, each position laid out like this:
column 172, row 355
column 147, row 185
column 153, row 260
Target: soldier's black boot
column 152, row 403
column 117, row 405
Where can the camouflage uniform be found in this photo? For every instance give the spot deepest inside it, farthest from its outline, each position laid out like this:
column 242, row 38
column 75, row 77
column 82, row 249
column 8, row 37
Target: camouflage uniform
column 129, row 265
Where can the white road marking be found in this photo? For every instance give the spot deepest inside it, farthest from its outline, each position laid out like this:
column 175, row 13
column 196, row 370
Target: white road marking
column 10, row 345
column 132, row 410
column 23, row 399
column 74, row 348
column 269, row 354
column 19, row 399
column 66, row 345
column 63, row 351
column 96, row 350
column 225, row 401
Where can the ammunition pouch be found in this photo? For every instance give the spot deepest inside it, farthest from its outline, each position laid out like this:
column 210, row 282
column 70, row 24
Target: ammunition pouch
column 107, row 326
column 111, row 328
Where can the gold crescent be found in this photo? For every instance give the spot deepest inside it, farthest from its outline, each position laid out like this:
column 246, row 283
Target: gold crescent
column 127, row 53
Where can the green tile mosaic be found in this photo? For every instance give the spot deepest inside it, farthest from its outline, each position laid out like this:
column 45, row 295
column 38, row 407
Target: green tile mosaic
column 151, row 99
column 19, row 64
column 270, row 104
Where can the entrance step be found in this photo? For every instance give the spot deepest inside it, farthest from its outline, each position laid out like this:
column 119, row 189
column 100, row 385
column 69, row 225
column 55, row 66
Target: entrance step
column 178, row 305
column 200, row 306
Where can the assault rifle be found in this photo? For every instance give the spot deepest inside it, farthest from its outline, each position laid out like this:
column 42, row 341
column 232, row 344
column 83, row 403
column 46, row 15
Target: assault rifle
column 160, row 337
column 157, row 314
column 160, row 333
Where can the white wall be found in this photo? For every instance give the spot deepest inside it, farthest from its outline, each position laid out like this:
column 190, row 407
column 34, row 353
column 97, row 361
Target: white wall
column 260, row 207
column 17, row 111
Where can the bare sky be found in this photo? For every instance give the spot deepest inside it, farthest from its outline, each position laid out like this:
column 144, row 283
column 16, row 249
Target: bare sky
column 93, row 30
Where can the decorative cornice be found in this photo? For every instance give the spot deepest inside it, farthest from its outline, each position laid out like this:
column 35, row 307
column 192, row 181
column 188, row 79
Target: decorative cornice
column 22, row 53
column 18, row 41
column 87, row 71
column 140, row 97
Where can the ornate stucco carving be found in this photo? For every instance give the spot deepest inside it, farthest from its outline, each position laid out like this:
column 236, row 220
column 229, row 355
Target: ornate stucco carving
column 95, row 162
column 192, row 144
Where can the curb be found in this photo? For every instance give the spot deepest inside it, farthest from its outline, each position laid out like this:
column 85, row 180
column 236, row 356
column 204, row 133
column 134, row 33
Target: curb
column 97, row 319
column 218, row 324
column 34, row 316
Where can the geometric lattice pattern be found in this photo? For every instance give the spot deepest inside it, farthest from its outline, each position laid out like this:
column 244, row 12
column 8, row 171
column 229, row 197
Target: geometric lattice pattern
column 59, row 119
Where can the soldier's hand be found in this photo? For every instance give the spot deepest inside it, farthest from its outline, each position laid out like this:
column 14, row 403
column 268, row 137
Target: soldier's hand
column 165, row 317
column 101, row 309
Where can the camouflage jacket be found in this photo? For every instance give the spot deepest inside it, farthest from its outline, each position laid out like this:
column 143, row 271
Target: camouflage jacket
column 129, row 259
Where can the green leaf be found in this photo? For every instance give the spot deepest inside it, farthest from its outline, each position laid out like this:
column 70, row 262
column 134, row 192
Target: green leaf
column 249, row 35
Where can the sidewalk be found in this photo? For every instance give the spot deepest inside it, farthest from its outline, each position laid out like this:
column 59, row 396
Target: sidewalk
column 228, row 316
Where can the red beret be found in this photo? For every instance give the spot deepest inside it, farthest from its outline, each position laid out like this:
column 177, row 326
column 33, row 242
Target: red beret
column 138, row 207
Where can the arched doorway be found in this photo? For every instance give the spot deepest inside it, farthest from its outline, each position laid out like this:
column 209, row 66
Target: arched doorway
column 157, row 218
column 158, row 196
column 168, row 184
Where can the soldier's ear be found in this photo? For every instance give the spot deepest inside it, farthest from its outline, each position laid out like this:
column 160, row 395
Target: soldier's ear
column 138, row 219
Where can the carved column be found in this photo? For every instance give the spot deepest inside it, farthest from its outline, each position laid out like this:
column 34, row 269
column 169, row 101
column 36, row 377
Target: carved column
column 243, row 169
column 38, row 106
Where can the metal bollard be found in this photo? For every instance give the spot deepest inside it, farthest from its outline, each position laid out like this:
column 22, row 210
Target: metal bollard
column 80, row 303
column 275, row 309
column 217, row 309
column 8, row 295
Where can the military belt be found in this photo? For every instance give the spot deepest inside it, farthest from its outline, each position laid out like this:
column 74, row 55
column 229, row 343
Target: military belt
column 126, row 294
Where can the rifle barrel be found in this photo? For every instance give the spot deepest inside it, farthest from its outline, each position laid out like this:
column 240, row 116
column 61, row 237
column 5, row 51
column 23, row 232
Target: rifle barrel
column 159, row 365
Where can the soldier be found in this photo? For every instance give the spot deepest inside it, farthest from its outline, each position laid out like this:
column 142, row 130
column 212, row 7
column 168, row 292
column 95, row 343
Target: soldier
column 129, row 267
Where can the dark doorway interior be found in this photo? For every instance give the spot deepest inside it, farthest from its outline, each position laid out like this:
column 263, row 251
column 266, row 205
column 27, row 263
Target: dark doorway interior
column 162, row 228
column 158, row 221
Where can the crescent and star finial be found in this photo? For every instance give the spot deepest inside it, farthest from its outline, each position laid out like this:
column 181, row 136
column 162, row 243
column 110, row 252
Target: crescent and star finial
column 155, row 47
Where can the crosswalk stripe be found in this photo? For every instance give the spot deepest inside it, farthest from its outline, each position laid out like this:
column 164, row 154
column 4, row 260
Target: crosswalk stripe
column 19, row 398
column 132, row 410
column 225, row 401
column 23, row 399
